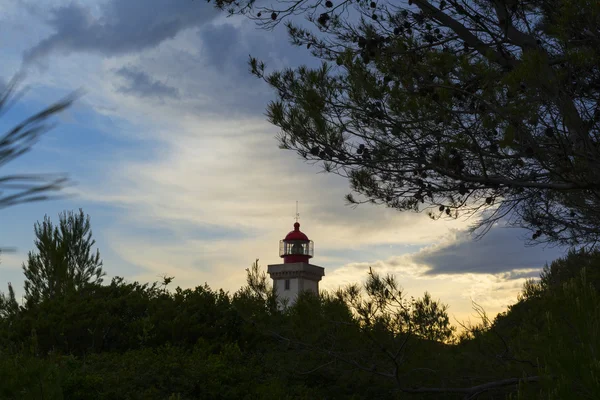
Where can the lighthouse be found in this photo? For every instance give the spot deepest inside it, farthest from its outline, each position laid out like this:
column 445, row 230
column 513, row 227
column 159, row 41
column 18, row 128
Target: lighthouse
column 296, row 274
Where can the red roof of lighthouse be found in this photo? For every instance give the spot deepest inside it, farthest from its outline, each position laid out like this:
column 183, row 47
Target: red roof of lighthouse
column 296, row 234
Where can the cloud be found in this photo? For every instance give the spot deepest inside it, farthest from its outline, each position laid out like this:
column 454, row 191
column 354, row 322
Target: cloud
column 223, row 45
column 494, row 292
column 457, row 270
column 141, row 84
column 182, row 52
column 501, row 250
column 11, row 271
column 119, row 26
column 232, row 172
column 229, row 175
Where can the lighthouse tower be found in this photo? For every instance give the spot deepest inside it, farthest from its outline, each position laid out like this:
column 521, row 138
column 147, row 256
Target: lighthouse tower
column 296, row 274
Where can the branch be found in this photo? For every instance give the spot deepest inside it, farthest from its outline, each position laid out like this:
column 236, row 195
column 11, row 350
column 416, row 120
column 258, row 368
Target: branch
column 317, row 368
column 466, row 35
column 470, row 391
column 496, row 179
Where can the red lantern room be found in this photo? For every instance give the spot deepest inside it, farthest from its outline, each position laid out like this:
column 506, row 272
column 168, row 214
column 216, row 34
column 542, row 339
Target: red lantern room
column 296, row 247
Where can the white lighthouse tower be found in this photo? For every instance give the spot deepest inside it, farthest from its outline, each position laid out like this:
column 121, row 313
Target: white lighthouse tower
column 296, row 274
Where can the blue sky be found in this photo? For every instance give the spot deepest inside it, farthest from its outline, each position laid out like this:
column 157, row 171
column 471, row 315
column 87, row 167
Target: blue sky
column 182, row 175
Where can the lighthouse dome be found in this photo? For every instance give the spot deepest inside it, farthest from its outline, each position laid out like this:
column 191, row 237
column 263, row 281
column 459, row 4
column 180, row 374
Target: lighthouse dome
column 296, row 234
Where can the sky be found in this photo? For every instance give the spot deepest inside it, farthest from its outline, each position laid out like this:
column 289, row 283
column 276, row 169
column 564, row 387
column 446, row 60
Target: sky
column 181, row 174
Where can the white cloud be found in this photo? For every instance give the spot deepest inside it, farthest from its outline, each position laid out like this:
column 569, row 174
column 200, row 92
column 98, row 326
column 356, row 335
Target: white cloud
column 10, row 259
column 231, row 174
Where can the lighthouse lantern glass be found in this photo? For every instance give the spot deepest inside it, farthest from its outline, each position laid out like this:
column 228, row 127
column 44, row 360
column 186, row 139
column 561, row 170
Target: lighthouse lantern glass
column 296, row 247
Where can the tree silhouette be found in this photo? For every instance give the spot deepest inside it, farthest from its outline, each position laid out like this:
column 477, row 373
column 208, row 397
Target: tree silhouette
column 64, row 260
column 451, row 107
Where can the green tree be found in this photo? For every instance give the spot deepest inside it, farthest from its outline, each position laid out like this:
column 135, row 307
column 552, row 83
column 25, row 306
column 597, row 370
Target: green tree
column 8, row 303
column 258, row 292
column 553, row 329
column 570, row 361
column 450, row 106
column 430, row 319
column 560, row 271
column 64, row 260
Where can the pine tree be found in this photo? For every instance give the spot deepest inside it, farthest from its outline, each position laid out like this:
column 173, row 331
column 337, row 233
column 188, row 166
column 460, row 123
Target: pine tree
column 8, row 303
column 64, row 260
column 449, row 106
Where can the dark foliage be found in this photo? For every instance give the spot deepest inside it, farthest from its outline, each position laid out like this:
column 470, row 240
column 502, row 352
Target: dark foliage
column 133, row 341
